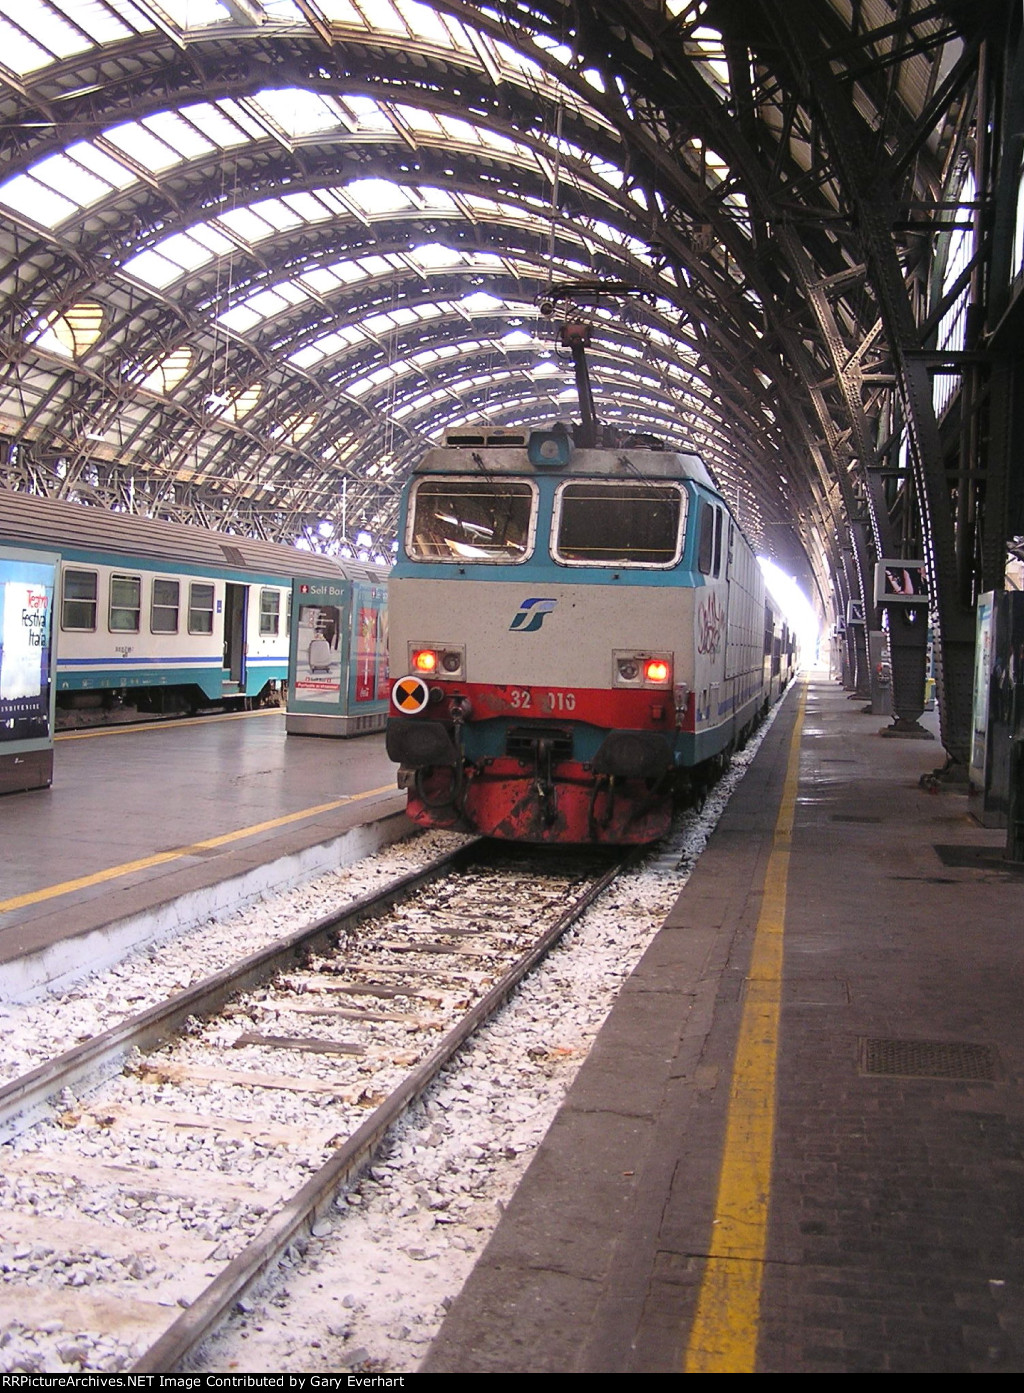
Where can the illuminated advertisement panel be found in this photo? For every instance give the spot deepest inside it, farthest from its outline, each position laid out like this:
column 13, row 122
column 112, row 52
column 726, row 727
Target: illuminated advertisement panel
column 26, row 617
column 900, row 582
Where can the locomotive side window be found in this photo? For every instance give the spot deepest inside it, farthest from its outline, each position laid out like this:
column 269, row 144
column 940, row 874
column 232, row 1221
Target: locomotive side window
column 163, row 613
column 471, row 520
column 706, row 547
column 608, row 523
column 78, row 601
column 270, row 612
column 125, row 604
column 200, row 608
column 718, row 541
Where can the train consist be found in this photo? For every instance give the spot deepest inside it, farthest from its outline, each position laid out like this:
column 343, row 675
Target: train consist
column 581, row 635
column 166, row 616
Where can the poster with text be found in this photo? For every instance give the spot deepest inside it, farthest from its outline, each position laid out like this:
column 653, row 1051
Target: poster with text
column 26, row 610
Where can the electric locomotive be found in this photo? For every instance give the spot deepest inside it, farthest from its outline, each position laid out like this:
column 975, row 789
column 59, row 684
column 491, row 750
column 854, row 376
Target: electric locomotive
column 580, row 628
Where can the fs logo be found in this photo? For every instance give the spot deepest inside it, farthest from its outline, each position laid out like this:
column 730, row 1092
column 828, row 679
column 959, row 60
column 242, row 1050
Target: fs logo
column 531, row 615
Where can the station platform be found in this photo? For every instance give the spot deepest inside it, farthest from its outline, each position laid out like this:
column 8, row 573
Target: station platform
column 148, row 829
column 798, row 1142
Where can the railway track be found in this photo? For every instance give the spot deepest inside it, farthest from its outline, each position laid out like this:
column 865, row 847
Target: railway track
column 229, row 1117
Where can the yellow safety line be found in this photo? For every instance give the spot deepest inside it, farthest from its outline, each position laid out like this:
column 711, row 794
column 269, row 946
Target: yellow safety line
column 723, row 1338
column 162, row 857
column 175, row 723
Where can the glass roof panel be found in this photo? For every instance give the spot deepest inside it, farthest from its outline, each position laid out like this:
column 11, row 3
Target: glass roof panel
column 308, row 207
column 379, row 196
column 298, row 111
column 211, row 238
column 49, row 35
column 180, row 134
column 226, row 123
column 277, row 213
column 194, row 14
column 98, row 20
column 305, row 357
column 143, row 146
column 382, row 15
column 239, row 318
column 113, row 171
column 424, row 22
column 152, row 268
column 59, row 172
column 266, row 302
column 342, row 12
column 35, row 200
column 366, row 114
column 246, row 224
column 320, row 279
column 21, row 54
column 184, row 250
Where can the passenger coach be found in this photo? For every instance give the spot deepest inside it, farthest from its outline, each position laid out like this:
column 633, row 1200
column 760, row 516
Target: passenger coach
column 164, row 616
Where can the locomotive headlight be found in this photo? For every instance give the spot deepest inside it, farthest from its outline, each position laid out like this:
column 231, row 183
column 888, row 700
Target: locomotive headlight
column 437, row 660
column 424, row 660
column 641, row 670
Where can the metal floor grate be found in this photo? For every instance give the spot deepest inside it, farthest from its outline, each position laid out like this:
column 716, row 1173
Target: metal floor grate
column 928, row 1059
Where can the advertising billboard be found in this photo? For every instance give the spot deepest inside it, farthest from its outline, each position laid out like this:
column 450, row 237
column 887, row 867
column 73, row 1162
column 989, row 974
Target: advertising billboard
column 900, row 582
column 26, row 613
column 27, row 694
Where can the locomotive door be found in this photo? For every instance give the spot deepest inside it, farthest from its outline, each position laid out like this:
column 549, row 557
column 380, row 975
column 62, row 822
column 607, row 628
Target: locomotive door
column 236, row 604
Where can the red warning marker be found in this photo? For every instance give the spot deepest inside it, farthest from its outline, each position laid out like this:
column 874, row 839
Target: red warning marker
column 410, row 695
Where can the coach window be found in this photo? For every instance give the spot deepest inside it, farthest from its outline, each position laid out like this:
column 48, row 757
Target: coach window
column 270, row 612
column 163, row 613
column 200, row 608
column 125, row 604
column 472, row 521
column 608, row 523
column 78, row 601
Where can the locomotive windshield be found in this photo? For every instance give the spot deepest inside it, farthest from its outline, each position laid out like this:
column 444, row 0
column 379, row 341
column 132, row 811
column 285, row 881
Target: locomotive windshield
column 608, row 523
column 471, row 520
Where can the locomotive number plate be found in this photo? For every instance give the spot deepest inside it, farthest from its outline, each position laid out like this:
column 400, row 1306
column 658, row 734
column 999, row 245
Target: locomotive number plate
column 530, row 699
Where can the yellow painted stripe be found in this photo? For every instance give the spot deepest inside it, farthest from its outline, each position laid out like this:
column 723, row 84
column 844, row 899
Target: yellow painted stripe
column 161, row 858
column 723, row 1338
column 175, row 723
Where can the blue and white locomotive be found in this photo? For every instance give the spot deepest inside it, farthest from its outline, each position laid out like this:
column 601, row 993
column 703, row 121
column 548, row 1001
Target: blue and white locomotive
column 580, row 629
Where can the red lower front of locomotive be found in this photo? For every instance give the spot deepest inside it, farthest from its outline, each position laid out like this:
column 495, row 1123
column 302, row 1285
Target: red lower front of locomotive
column 542, row 765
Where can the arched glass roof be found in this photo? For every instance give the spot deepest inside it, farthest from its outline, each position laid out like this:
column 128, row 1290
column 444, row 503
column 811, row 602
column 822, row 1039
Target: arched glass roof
column 259, row 253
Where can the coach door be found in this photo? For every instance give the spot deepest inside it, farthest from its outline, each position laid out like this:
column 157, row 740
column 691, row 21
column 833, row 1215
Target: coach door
column 236, row 599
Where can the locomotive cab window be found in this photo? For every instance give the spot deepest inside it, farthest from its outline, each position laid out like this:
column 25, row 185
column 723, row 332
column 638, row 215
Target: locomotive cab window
column 462, row 520
column 611, row 523
column 706, row 540
column 78, row 601
column 125, row 604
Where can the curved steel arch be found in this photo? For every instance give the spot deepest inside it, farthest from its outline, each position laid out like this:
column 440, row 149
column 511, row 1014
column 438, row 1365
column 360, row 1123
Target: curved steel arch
column 737, row 130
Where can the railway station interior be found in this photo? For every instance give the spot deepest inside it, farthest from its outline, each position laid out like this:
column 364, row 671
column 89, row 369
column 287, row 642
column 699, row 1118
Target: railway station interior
column 260, row 255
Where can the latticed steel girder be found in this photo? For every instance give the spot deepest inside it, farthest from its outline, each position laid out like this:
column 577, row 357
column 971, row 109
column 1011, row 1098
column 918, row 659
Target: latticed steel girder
column 822, row 130
column 694, row 147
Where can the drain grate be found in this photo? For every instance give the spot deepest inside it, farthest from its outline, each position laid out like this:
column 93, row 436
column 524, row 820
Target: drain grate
column 927, row 1059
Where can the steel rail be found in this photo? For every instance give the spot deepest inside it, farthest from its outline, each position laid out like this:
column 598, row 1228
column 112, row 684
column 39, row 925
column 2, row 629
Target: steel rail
column 315, row 1197
column 22, row 1098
